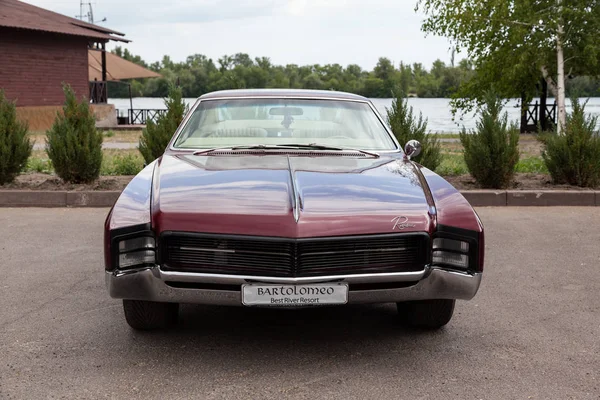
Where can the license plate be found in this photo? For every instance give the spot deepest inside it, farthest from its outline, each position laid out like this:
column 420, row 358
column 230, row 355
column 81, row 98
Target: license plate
column 294, row 295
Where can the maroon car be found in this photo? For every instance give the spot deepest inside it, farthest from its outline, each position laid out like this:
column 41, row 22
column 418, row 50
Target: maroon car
column 290, row 198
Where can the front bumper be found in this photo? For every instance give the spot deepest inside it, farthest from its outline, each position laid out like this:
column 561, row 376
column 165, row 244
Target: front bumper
column 154, row 284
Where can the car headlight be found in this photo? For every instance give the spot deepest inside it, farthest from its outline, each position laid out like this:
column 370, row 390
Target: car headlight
column 136, row 252
column 454, row 253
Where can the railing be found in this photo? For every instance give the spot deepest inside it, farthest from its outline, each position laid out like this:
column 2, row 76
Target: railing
column 533, row 116
column 98, row 92
column 139, row 116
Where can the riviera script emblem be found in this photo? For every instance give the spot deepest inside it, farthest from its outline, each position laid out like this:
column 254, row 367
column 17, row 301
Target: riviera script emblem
column 401, row 223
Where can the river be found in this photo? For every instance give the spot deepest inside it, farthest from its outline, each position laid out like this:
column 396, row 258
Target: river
column 436, row 111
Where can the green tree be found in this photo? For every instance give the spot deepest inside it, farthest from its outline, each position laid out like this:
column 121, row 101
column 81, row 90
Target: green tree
column 386, row 71
column 73, row 143
column 513, row 43
column 405, row 78
column 574, row 157
column 15, row 147
column 406, row 126
column 156, row 136
column 491, row 151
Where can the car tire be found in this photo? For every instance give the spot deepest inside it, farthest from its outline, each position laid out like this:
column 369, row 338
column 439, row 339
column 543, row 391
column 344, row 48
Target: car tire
column 426, row 314
column 149, row 315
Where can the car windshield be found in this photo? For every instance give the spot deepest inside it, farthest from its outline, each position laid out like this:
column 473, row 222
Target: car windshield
column 272, row 122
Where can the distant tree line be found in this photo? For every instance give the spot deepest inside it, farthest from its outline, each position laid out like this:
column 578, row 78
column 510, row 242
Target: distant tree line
column 199, row 74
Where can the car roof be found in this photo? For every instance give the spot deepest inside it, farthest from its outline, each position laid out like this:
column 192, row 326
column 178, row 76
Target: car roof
column 294, row 93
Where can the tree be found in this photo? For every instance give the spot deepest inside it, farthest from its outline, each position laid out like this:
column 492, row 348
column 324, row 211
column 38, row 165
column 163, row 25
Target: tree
column 515, row 42
column 15, row 147
column 73, row 143
column 491, row 151
column 156, row 136
column 386, row 71
column 574, row 157
column 406, row 126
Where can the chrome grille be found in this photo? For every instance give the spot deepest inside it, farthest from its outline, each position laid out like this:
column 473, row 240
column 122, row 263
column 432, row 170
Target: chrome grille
column 265, row 256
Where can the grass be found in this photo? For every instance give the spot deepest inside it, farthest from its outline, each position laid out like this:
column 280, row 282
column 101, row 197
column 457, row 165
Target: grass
column 39, row 137
column 452, row 165
column 444, row 135
column 532, row 165
column 114, row 162
column 121, row 162
column 524, row 137
column 130, row 162
column 39, row 164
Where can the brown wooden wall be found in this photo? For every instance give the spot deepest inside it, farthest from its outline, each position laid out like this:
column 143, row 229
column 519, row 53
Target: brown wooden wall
column 33, row 65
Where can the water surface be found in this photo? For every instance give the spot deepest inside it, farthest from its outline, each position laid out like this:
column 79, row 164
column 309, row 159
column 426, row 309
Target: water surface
column 436, row 111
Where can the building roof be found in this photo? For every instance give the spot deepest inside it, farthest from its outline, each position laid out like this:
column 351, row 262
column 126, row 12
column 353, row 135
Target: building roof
column 297, row 93
column 16, row 14
column 117, row 68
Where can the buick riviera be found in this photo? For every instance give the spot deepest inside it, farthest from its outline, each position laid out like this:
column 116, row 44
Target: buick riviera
column 290, row 198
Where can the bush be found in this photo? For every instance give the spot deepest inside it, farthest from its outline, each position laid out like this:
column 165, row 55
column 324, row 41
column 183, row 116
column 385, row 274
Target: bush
column 73, row 144
column 406, row 127
column 156, row 136
column 574, row 157
column 15, row 147
column 491, row 151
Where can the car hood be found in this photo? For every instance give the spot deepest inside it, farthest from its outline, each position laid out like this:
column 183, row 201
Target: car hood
column 287, row 195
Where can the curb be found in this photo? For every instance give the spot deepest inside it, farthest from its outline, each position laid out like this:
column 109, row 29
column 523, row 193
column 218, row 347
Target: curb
column 35, row 198
column 477, row 198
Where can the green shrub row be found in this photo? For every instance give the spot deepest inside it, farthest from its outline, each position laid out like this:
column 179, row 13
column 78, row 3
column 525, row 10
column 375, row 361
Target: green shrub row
column 490, row 151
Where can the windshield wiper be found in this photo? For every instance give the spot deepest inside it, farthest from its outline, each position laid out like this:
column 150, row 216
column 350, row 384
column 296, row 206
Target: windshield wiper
column 317, row 146
column 245, row 147
column 310, row 146
column 249, row 147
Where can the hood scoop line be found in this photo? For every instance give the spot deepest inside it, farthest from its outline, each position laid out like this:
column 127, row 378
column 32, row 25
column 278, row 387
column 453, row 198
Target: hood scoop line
column 296, row 202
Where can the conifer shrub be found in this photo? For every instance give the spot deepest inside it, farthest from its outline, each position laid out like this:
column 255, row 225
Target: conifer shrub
column 574, row 157
column 15, row 147
column 406, row 126
column 491, row 150
column 156, row 136
column 73, row 143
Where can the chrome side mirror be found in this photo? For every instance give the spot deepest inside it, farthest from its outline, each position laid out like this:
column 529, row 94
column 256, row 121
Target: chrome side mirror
column 412, row 149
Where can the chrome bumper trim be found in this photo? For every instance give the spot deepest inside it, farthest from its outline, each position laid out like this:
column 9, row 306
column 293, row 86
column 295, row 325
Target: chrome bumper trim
column 241, row 279
column 149, row 284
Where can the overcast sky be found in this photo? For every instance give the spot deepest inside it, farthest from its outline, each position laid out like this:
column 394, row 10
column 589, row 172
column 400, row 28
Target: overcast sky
column 286, row 31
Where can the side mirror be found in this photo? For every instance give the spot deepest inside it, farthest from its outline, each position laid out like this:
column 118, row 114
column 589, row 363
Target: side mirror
column 412, row 149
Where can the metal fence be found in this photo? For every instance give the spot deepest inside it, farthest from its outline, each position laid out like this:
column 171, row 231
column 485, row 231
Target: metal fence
column 140, row 116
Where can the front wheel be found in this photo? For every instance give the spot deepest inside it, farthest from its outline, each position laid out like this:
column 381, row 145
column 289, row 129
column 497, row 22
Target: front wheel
column 149, row 315
column 426, row 314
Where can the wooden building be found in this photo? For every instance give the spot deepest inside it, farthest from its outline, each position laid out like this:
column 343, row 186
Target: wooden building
column 40, row 50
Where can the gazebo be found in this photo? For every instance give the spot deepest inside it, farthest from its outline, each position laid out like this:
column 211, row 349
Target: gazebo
column 116, row 68
column 104, row 67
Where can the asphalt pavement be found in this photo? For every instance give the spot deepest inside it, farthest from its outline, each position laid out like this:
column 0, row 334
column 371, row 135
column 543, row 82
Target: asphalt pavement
column 532, row 332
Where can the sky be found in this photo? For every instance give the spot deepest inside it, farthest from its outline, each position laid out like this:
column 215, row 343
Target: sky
column 287, row 31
